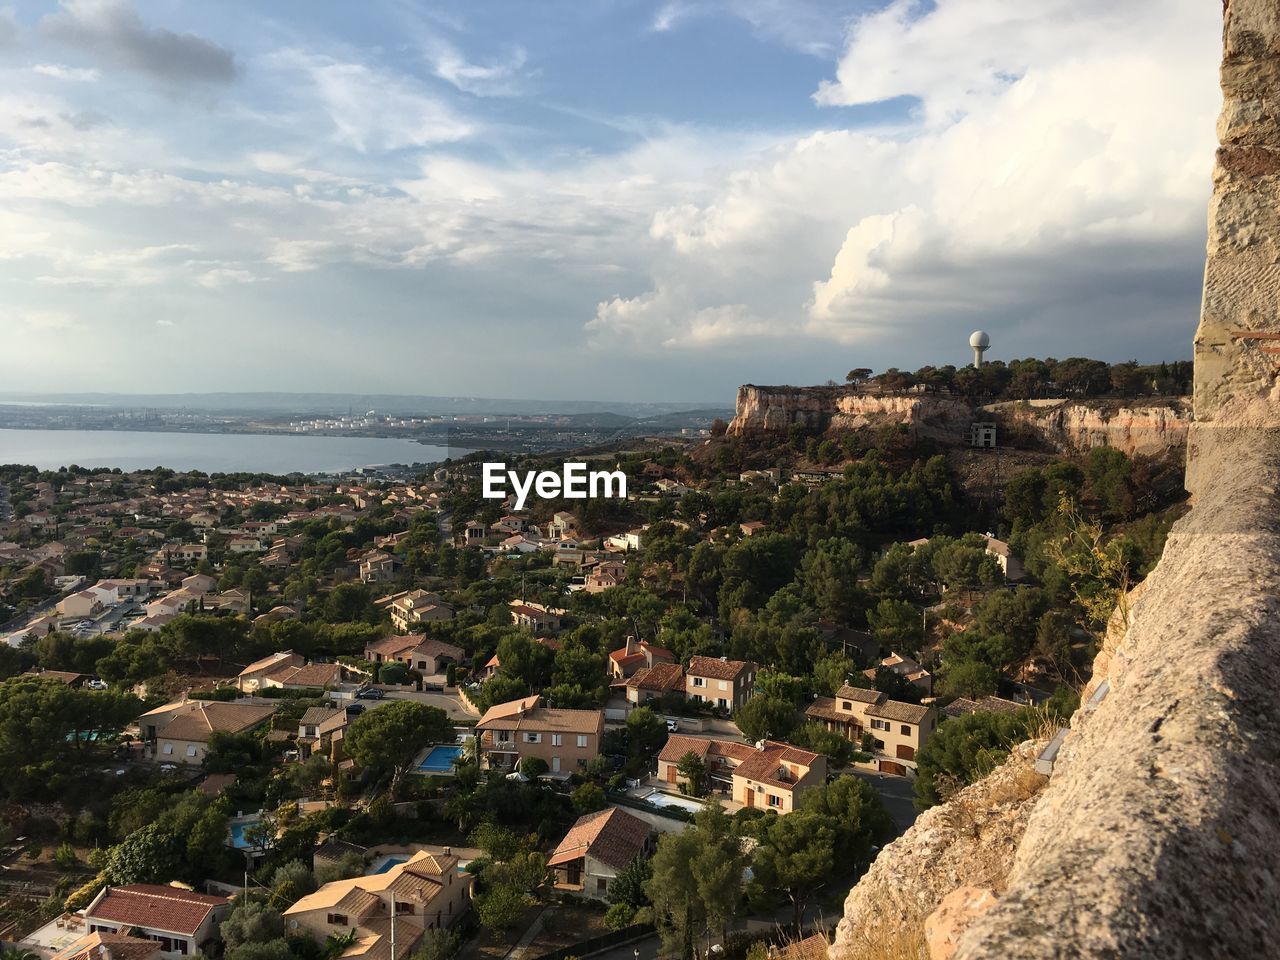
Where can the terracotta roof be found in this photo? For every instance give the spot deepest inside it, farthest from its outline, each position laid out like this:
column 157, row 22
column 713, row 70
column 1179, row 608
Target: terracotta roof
column 210, row 716
column 155, row 907
column 317, row 715
column 896, row 710
column 657, row 653
column 394, row 646
column 612, row 836
column 766, row 764
column 860, row 694
column 525, row 714
column 109, row 946
column 215, row 783
column 270, row 661
column 422, row 866
column 824, row 708
column 717, row 669
column 661, row 676
column 705, row 747
column 311, row 675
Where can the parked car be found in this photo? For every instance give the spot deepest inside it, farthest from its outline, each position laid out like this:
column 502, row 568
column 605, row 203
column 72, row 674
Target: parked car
column 168, row 767
column 373, row 693
column 672, row 725
column 96, row 684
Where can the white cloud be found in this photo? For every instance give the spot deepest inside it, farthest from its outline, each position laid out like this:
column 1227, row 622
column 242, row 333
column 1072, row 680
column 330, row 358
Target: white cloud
column 1045, row 138
column 500, row 78
column 60, row 72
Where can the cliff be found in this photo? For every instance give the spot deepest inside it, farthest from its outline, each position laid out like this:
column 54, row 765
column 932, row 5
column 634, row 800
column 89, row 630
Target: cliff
column 1142, row 429
column 1149, row 429
column 1157, row 831
column 764, row 410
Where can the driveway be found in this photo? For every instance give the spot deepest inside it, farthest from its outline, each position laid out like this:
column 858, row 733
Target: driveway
column 896, row 794
column 446, row 702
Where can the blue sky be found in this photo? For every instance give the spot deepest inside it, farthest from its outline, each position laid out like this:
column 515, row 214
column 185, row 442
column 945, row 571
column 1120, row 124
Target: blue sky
column 596, row 198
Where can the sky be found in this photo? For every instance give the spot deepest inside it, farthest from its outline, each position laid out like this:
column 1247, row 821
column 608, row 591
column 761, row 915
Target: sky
column 603, row 199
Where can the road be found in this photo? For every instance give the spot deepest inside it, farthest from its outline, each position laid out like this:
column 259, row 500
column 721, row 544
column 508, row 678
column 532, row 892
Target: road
column 449, row 704
column 896, row 794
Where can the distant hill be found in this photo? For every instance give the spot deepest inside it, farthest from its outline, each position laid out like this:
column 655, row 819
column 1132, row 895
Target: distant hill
column 277, row 404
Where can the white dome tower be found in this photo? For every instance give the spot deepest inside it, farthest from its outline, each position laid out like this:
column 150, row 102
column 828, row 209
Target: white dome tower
column 980, row 343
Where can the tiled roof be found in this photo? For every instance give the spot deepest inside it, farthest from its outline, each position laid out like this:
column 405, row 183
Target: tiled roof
column 704, row 747
column 215, row 783
column 612, row 836
column 311, row 675
column 317, row 715
column 109, row 946
column 661, row 676
column 859, row 694
column 394, row 646
column 210, row 716
column 896, row 710
column 156, row 907
column 716, row 669
column 765, row 765
column 525, row 714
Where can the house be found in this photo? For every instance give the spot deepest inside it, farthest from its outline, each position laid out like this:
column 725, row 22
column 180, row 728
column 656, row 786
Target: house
column 86, row 603
column 982, row 434
column 110, row 946
column 415, row 651
column 651, row 683
column 565, row 739
column 180, row 921
column 898, row 730
column 625, row 542
column 377, row 566
column 720, row 682
column 473, row 533
column 509, row 524
column 418, row 606
column 605, row 574
column 189, row 552
column 563, row 525
column 635, row 654
column 1009, row 563
column 493, row 663
column 751, row 527
column 131, row 588
column 179, row 732
column 426, row 892
column 310, row 676
column 200, row 583
column 597, row 848
column 65, row 677
column 535, row 616
column 250, row 678
column 905, row 667
column 772, row 776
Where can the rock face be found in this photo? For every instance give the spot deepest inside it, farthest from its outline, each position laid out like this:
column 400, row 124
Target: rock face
column 969, row 841
column 1071, row 426
column 1075, row 426
column 762, row 410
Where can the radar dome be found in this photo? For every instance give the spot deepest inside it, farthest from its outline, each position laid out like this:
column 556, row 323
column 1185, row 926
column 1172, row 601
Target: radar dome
column 979, row 338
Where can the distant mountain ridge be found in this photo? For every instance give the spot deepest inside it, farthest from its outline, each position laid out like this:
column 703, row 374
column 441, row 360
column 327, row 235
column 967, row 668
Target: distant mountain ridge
column 336, row 404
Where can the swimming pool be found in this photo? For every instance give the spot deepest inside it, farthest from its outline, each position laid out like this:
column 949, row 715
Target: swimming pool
column 387, row 863
column 439, row 759
column 660, row 799
column 238, row 828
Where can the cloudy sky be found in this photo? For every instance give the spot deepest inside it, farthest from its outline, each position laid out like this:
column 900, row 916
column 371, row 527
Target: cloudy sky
column 592, row 198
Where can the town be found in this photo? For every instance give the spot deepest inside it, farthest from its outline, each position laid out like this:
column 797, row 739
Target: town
column 372, row 717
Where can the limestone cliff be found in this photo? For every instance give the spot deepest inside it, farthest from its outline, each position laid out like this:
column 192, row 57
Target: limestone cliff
column 1138, row 428
column 763, row 410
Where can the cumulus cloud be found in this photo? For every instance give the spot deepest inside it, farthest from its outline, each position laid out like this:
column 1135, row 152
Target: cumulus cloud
column 112, row 32
column 1044, row 158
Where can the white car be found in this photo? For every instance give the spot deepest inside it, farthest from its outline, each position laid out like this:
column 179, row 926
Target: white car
column 167, row 768
column 97, row 684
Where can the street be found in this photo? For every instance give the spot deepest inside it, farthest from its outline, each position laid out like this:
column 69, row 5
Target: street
column 897, row 795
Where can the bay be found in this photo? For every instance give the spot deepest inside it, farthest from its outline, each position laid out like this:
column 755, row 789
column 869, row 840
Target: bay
column 211, row 452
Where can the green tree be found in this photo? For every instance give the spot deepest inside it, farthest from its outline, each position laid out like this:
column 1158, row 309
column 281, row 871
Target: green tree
column 438, row 944
column 693, row 771
column 250, row 922
column 387, row 739
column 501, row 907
column 646, row 732
column 628, row 887
column 896, row 625
column 766, row 718
column 588, row 798
column 533, row 767
column 795, row 856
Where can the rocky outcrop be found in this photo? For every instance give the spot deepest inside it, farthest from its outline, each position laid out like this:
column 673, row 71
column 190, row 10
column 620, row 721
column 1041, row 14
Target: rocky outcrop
column 1076, row 426
column 968, row 841
column 763, row 410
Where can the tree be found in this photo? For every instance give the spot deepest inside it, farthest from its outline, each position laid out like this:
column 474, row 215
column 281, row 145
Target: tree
column 268, row 950
column 438, row 944
column 533, row 767
column 896, row 624
column 628, row 887
column 858, row 375
column 588, row 798
column 858, row 814
column 387, row 739
column 766, row 718
column 831, row 744
column 964, row 749
column 501, row 906
column 796, row 856
column 693, row 771
column 250, row 922
column 646, row 732
column 677, row 907
column 831, row 672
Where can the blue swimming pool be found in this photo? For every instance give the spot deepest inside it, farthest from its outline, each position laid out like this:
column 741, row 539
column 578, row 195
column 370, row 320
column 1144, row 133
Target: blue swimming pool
column 238, row 839
column 387, row 863
column 439, row 759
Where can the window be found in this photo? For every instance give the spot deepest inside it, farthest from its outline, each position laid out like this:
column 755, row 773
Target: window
column 880, row 725
column 582, row 739
column 337, row 919
column 775, row 800
column 533, row 738
column 403, row 907
column 846, row 705
column 557, row 739
column 906, row 730
column 168, row 749
column 724, row 685
column 191, row 750
column 602, row 886
column 699, row 682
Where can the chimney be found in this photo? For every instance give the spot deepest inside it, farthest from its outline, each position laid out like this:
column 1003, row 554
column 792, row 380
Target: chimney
column 631, row 646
